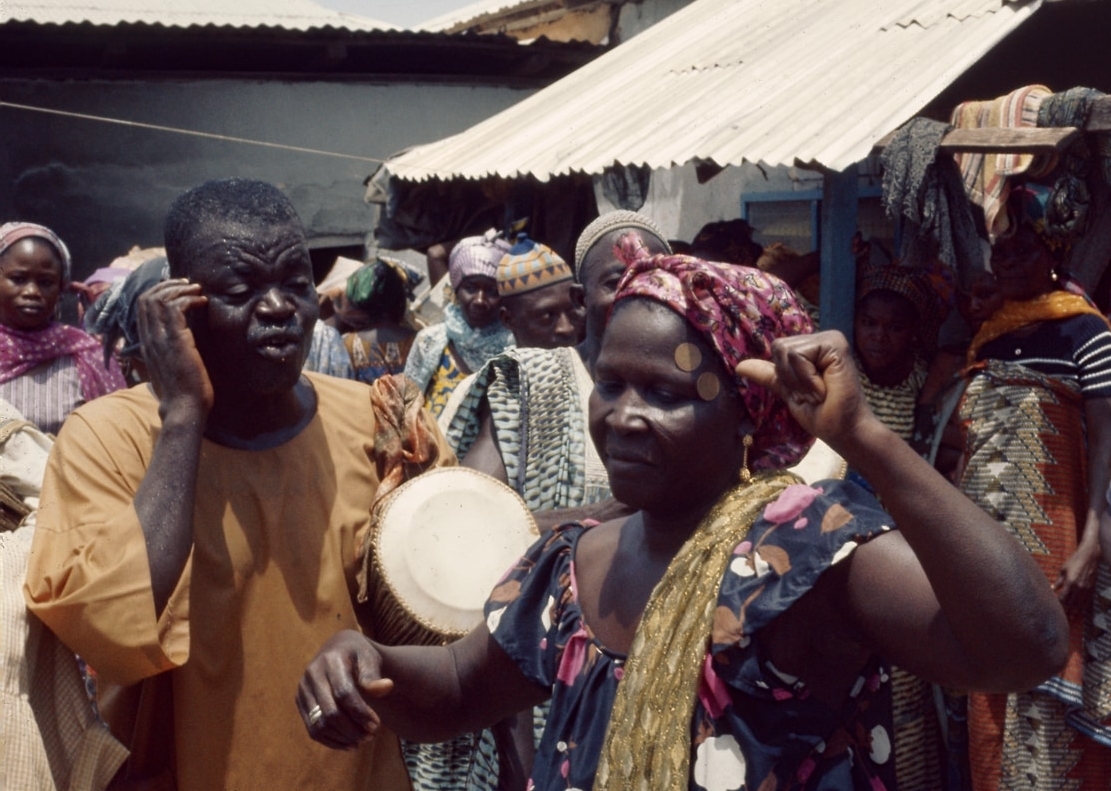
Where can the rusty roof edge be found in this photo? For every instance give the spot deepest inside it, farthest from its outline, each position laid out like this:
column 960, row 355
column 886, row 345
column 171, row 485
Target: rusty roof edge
column 933, row 20
column 389, row 31
column 486, row 11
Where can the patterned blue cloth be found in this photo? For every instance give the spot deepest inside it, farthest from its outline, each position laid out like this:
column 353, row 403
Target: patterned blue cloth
column 327, row 354
column 474, row 346
column 753, row 726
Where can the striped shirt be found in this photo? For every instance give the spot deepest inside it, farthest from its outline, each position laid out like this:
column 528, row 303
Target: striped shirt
column 894, row 406
column 47, row 393
column 1076, row 349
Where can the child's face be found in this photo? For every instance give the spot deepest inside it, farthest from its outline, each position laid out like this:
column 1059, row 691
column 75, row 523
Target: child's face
column 981, row 300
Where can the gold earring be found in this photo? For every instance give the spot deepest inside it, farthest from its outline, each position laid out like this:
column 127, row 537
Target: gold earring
column 746, row 475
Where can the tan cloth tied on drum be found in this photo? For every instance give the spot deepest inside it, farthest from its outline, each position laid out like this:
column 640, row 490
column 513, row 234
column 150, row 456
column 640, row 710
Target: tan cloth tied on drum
column 404, row 446
column 415, row 600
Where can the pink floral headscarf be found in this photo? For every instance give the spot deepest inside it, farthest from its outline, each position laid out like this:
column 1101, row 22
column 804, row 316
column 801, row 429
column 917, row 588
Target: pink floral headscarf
column 739, row 311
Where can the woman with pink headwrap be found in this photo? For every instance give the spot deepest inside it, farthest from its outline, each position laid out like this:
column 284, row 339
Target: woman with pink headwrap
column 47, row 369
column 727, row 634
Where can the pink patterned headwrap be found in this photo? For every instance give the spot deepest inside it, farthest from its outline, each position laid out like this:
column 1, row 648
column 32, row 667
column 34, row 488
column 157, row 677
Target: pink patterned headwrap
column 739, row 311
column 12, row 232
column 476, row 255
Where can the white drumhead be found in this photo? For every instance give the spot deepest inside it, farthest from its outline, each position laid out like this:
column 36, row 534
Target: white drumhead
column 444, row 540
column 820, row 463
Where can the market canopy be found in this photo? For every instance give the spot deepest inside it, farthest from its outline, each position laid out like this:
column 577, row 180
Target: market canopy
column 792, row 82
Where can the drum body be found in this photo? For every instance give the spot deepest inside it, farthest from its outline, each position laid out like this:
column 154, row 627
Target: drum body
column 440, row 544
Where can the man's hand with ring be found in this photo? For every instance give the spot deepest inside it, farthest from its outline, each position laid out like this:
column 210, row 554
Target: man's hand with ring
column 333, row 693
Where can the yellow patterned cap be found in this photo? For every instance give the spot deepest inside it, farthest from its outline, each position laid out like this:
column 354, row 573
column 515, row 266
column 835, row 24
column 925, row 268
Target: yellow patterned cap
column 528, row 266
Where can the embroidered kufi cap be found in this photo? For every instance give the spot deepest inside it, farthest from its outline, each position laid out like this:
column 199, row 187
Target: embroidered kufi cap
column 528, row 266
column 612, row 221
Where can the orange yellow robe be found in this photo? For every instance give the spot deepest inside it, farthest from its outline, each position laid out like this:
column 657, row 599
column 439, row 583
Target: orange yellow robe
column 272, row 575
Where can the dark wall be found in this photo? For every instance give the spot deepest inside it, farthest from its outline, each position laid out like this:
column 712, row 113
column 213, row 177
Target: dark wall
column 105, row 187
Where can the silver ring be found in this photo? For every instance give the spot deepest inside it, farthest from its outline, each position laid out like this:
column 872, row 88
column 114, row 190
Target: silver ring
column 315, row 715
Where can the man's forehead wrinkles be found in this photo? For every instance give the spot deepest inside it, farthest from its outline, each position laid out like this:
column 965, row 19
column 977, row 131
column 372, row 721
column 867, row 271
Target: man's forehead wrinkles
column 241, row 253
column 261, row 248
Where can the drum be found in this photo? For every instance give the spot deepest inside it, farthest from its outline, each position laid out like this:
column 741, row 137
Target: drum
column 440, row 544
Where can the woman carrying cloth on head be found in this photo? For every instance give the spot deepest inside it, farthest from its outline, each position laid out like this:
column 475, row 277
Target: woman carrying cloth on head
column 1037, row 421
column 47, row 369
column 726, row 634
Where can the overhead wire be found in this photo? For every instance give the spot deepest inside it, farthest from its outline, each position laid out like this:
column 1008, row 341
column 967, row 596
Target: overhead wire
column 190, row 132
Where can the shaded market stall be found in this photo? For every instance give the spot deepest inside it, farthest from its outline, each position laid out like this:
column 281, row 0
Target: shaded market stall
column 1062, row 140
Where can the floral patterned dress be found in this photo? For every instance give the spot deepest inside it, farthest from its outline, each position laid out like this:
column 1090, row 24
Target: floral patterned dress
column 754, row 727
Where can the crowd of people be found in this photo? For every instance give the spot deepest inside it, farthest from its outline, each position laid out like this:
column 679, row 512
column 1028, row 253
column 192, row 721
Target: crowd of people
column 701, row 609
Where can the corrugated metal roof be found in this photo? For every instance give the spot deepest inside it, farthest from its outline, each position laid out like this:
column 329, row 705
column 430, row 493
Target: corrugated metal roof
column 282, row 14
column 767, row 81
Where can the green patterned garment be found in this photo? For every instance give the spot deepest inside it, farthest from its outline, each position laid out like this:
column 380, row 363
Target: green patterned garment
column 537, row 398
